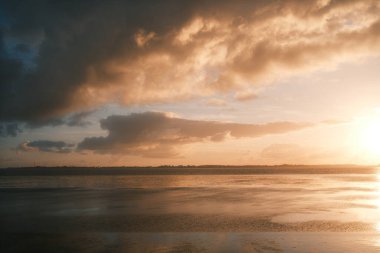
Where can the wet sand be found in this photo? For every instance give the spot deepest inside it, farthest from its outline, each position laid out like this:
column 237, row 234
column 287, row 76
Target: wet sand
column 199, row 212
column 271, row 242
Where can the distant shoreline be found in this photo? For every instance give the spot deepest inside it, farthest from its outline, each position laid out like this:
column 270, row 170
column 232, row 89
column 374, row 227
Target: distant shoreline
column 191, row 170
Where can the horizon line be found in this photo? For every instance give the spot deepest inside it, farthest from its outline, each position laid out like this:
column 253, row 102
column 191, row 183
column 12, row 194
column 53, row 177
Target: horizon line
column 196, row 166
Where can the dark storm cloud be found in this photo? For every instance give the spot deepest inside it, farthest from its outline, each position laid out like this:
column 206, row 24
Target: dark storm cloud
column 79, row 119
column 9, row 129
column 157, row 134
column 76, row 38
column 46, row 146
column 60, row 57
column 75, row 119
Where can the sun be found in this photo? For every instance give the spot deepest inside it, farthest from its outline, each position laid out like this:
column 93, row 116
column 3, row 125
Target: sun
column 370, row 135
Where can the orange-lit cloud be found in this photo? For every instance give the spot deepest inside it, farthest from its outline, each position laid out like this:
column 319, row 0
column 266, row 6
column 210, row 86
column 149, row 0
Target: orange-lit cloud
column 245, row 96
column 159, row 52
column 216, row 102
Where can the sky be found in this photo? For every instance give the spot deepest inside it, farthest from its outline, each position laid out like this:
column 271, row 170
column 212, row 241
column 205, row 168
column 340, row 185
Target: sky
column 146, row 83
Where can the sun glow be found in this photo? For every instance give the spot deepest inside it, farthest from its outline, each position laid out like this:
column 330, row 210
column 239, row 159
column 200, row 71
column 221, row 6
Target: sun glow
column 367, row 143
column 371, row 136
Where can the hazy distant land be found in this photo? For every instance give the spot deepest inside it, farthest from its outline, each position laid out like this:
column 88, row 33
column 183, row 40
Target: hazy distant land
column 191, row 170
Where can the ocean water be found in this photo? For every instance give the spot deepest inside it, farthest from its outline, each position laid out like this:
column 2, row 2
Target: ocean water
column 229, row 210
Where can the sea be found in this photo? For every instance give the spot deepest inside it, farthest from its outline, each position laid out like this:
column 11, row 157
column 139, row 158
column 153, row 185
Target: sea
column 288, row 208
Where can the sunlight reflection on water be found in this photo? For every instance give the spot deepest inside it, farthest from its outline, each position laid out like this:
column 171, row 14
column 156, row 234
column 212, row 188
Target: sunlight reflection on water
column 198, row 213
column 377, row 203
column 313, row 202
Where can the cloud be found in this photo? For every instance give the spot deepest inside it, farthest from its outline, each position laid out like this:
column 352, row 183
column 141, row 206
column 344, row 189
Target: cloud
column 46, row 146
column 63, row 57
column 216, row 102
column 9, row 129
column 74, row 119
column 159, row 135
column 79, row 119
column 142, row 37
column 243, row 96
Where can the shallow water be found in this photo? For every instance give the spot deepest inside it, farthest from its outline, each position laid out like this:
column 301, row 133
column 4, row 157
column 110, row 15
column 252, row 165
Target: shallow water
column 319, row 212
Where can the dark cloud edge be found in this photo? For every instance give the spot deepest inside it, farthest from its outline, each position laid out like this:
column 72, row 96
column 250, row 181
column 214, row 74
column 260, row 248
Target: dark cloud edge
column 156, row 134
column 64, row 33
